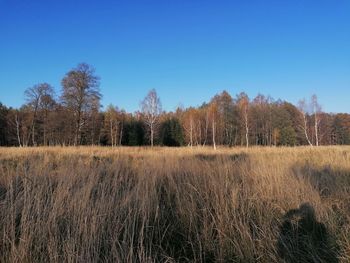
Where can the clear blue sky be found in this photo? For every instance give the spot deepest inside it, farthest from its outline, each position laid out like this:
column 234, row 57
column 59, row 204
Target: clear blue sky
column 187, row 50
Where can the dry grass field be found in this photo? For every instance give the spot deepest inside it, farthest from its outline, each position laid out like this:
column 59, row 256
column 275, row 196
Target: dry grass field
column 94, row 204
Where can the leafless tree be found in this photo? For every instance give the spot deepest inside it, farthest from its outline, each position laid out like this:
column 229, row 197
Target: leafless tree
column 188, row 120
column 243, row 105
column 17, row 130
column 315, row 108
column 80, row 92
column 37, row 97
column 302, row 106
column 151, row 107
column 213, row 111
column 114, row 122
column 316, row 111
column 47, row 104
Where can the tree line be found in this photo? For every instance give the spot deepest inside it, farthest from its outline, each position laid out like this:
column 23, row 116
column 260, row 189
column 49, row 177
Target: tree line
column 75, row 118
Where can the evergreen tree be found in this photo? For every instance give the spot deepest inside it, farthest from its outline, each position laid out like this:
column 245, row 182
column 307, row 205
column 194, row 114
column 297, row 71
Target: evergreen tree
column 3, row 125
column 288, row 136
column 171, row 133
column 134, row 133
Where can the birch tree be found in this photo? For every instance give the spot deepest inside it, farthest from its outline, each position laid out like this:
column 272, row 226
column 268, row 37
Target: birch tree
column 316, row 108
column 188, row 121
column 151, row 108
column 243, row 105
column 114, row 124
column 304, row 126
column 213, row 113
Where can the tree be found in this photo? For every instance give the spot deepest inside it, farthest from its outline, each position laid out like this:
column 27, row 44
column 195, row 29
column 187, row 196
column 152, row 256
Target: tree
column 304, row 117
column 293, row 120
column 114, row 125
column 213, row 115
column 261, row 120
column 134, row 132
column 3, row 124
column 315, row 108
column 151, row 108
column 38, row 97
column 93, row 126
column 316, row 111
column 341, row 129
column 203, row 124
column 189, row 124
column 171, row 132
column 243, row 105
column 325, row 128
column 288, row 136
column 80, row 94
column 283, row 129
column 63, row 126
column 77, row 119
column 227, row 121
column 46, row 106
column 11, row 129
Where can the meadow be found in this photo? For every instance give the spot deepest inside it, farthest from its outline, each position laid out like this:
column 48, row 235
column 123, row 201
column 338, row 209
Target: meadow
column 102, row 204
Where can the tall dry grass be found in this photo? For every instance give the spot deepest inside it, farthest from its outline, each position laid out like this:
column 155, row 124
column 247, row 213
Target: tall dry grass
column 94, row 204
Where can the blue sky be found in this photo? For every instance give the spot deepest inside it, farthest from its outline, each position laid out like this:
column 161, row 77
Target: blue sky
column 187, row 50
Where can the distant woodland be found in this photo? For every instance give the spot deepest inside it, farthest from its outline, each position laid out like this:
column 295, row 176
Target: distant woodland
column 74, row 117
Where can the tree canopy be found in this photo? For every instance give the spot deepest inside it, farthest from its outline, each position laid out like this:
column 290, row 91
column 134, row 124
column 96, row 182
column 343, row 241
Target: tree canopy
column 74, row 117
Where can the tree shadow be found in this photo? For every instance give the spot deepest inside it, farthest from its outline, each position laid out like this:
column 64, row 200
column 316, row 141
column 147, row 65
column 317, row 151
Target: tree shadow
column 326, row 180
column 214, row 157
column 303, row 239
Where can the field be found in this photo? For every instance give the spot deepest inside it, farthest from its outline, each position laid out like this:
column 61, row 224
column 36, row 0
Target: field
column 94, row 204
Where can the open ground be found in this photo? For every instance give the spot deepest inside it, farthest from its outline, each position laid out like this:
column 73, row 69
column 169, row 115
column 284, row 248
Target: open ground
column 102, row 204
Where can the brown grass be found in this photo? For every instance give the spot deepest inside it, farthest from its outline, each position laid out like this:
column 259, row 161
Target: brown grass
column 94, row 204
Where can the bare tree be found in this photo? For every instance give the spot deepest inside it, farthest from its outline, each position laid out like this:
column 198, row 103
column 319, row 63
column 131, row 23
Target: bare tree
column 316, row 110
column 17, row 130
column 114, row 120
column 47, row 104
column 243, row 105
column 80, row 94
column 213, row 112
column 304, row 127
column 225, row 121
column 206, row 126
column 188, row 121
column 151, row 107
column 20, row 123
column 36, row 98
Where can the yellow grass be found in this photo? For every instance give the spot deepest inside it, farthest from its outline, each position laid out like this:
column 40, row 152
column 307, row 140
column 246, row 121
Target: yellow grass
column 95, row 204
